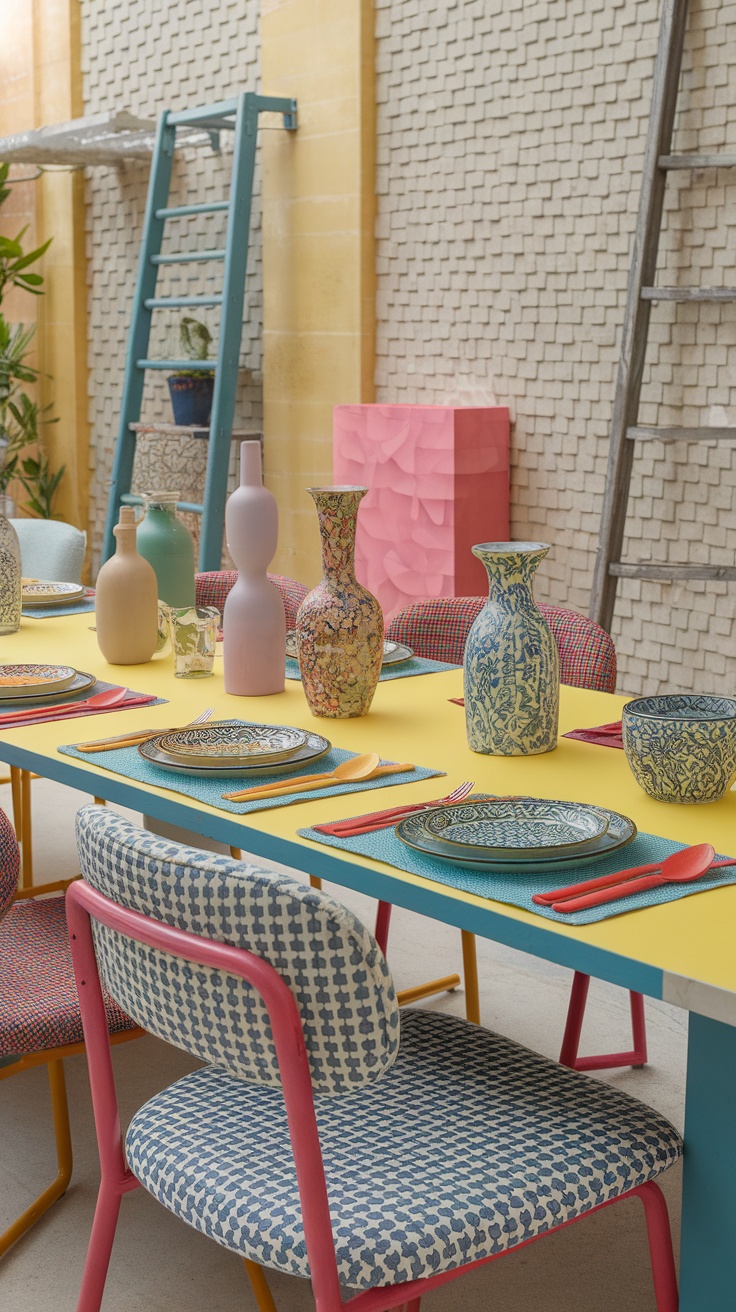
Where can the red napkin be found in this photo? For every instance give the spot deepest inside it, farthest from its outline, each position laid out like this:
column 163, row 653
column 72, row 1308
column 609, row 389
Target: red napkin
column 595, row 735
column 16, row 719
column 602, row 735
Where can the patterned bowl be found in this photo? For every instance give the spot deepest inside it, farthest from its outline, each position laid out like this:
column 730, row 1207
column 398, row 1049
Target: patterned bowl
column 681, row 747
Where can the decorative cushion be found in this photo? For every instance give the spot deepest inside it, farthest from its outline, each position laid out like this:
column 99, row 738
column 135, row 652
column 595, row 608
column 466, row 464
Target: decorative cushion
column 9, row 863
column 39, row 1007
column 212, row 589
column 333, row 966
column 470, row 1145
column 437, row 629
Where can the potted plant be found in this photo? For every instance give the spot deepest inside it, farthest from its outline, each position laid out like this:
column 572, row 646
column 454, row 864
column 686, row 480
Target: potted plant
column 191, row 390
column 22, row 457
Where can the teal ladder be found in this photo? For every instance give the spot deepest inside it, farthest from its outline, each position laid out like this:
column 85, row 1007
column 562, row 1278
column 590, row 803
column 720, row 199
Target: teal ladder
column 241, row 117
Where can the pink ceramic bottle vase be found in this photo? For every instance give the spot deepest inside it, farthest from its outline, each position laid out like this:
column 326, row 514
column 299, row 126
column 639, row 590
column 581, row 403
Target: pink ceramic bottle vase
column 254, row 624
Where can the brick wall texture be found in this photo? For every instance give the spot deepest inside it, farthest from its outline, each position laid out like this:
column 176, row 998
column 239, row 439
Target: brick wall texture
column 510, row 144
column 144, row 57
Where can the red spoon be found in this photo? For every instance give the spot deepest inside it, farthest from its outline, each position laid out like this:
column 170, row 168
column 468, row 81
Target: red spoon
column 679, row 868
column 110, row 697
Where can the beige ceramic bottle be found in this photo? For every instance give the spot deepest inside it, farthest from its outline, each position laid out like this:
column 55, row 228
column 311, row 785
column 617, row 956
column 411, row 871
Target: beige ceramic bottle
column 126, row 601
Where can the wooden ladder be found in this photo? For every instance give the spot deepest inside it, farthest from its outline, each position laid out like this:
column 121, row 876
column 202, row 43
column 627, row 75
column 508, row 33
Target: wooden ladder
column 239, row 116
column 642, row 293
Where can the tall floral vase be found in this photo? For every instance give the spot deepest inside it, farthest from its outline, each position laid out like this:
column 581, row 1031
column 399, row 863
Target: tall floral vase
column 10, row 577
column 511, row 666
column 254, row 624
column 339, row 626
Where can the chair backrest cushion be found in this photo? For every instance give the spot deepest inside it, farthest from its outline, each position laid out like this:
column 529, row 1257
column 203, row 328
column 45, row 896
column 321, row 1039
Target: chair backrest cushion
column 437, row 629
column 50, row 549
column 212, row 589
column 334, row 968
column 9, row 863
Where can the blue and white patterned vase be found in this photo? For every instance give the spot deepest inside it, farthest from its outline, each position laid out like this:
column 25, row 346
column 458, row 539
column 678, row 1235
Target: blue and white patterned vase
column 10, row 578
column 512, row 666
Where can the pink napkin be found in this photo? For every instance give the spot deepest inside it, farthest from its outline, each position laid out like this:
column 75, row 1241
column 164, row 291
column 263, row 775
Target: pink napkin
column 16, row 719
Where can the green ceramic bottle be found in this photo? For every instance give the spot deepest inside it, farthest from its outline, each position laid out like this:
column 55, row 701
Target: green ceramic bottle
column 166, row 543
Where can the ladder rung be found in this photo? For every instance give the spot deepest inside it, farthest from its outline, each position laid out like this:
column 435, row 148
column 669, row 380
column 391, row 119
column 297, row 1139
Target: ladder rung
column 199, row 366
column 178, row 211
column 194, row 508
column 643, row 433
column 688, row 293
column 669, row 573
column 204, row 114
column 186, row 256
column 717, row 161
column 170, row 302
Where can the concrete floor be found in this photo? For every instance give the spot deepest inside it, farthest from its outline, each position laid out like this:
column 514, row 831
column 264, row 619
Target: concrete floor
column 159, row 1264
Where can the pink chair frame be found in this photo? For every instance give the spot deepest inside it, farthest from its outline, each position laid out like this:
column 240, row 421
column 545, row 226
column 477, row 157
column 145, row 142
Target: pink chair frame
column 85, row 903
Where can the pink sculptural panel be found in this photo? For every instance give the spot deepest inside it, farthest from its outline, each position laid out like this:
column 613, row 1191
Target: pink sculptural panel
column 438, row 480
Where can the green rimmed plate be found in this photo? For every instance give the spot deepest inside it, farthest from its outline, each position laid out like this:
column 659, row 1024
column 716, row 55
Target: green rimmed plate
column 620, row 832
column 519, row 828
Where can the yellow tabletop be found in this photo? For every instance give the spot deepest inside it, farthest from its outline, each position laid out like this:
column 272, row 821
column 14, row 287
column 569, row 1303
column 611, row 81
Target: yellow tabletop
column 682, row 950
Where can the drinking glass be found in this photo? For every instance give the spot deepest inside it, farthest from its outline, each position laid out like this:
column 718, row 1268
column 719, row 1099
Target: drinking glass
column 194, row 631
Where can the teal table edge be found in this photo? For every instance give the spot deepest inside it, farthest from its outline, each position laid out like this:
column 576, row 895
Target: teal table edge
column 708, row 1254
column 538, row 940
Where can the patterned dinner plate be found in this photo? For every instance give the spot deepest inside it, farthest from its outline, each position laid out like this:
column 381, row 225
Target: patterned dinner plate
column 314, row 747
column 23, row 680
column 81, row 682
column 393, row 652
column 523, row 828
column 233, row 744
column 41, row 592
column 620, row 832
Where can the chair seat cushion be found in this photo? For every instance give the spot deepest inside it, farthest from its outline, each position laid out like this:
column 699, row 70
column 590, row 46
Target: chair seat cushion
column 468, row 1146
column 39, row 1008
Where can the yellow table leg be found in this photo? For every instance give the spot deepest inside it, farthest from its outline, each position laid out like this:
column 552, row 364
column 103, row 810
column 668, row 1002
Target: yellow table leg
column 26, row 840
column 470, row 973
column 259, row 1285
column 63, row 1157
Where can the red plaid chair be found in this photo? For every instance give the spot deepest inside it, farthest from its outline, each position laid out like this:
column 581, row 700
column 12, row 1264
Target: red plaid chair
column 438, row 629
column 40, row 1021
column 212, row 589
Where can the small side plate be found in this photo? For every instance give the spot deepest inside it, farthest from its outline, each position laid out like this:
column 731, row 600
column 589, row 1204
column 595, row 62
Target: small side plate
column 24, row 680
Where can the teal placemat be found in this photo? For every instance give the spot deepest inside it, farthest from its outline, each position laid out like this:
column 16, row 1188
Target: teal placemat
column 50, row 612
column 417, row 665
column 128, row 762
column 517, row 890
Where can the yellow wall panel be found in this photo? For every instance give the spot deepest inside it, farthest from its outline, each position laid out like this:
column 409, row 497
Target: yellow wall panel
column 318, row 250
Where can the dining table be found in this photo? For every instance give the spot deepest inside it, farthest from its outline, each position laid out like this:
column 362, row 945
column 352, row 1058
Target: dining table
column 682, row 951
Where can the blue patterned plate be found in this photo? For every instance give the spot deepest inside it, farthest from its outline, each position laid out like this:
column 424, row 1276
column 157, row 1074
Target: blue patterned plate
column 508, row 828
column 311, row 750
column 233, row 744
column 620, row 832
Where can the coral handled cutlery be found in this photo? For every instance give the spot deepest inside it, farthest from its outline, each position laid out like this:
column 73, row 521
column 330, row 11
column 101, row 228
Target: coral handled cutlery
column 609, row 881
column 679, row 868
column 99, row 701
column 367, row 824
column 135, row 738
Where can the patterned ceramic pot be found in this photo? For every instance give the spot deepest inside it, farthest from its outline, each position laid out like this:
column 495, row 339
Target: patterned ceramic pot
column 682, row 747
column 10, row 578
column 339, row 626
column 511, row 665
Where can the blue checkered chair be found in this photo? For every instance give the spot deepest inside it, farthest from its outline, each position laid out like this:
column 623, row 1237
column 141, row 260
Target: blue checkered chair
column 326, row 1136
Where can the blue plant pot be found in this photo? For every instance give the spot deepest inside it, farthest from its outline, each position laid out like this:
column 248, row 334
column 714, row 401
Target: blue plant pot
column 511, row 666
column 191, row 399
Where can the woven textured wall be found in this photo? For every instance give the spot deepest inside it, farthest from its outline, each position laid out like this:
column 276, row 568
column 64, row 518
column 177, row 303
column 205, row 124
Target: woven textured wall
column 510, row 143
column 144, row 57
